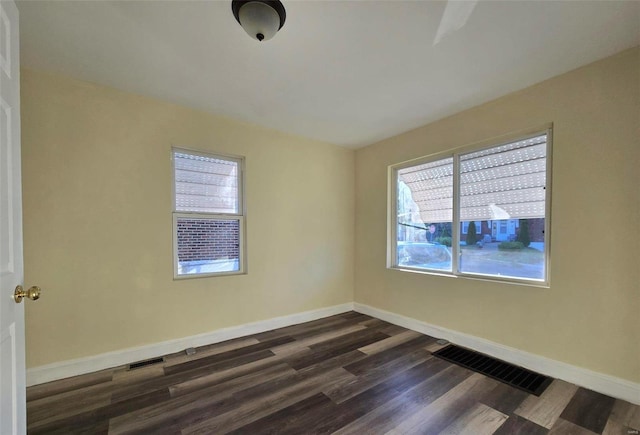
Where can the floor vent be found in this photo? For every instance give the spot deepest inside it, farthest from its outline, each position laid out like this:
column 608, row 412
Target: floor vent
column 145, row 363
column 517, row 377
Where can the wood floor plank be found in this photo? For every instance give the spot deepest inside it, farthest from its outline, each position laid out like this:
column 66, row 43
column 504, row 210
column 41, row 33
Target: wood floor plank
column 228, row 355
column 45, row 405
column 599, row 407
column 394, row 386
column 434, row 347
column 368, row 335
column 390, row 342
column 308, row 333
column 234, row 393
column 252, row 410
column 171, row 417
column 394, row 330
column 348, row 373
column 184, row 409
column 375, row 323
column 323, row 353
column 351, row 315
column 88, row 423
column 126, row 376
column 92, row 421
column 625, row 413
column 331, row 363
column 270, row 385
column 480, row 420
column 311, row 328
column 546, row 409
column 205, row 351
column 183, row 376
column 516, row 425
column 564, row 427
column 264, row 365
column 42, row 416
column 441, row 412
column 301, row 417
column 290, row 348
column 117, row 408
column 341, row 393
column 371, row 321
column 68, row 384
column 392, row 413
column 382, row 357
column 308, row 329
column 615, row 428
column 504, row 398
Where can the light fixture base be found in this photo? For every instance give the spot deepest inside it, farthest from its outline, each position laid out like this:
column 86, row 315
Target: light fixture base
column 259, row 18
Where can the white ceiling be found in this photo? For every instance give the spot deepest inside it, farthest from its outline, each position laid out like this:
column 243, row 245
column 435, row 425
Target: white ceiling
column 346, row 72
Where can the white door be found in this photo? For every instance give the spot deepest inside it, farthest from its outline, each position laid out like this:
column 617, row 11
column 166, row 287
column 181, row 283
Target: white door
column 12, row 365
column 503, row 231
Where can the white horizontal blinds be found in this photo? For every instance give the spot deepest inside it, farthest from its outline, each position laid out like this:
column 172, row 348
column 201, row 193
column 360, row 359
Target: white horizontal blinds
column 431, row 186
column 504, row 182
column 206, row 184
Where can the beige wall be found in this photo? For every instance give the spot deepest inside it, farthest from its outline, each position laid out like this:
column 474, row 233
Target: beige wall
column 589, row 316
column 97, row 221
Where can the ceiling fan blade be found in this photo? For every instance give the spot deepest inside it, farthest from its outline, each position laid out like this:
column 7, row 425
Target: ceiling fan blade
column 456, row 14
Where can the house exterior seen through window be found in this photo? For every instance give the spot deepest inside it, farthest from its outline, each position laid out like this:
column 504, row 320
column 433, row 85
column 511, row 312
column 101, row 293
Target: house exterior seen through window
column 482, row 212
column 208, row 214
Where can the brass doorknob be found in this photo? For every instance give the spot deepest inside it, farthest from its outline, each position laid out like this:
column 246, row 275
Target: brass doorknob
column 33, row 293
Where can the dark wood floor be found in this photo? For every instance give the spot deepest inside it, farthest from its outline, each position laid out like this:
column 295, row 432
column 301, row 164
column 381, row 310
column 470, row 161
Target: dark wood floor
column 348, row 373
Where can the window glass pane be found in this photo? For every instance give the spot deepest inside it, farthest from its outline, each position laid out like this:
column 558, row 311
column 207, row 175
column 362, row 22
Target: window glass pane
column 206, row 184
column 208, row 245
column 502, row 191
column 504, row 182
column 424, row 215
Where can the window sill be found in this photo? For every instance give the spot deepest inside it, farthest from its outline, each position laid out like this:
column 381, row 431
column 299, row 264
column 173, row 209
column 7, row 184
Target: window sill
column 499, row 280
column 207, row 275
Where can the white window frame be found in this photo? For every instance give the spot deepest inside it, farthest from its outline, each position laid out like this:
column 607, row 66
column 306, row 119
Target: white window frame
column 240, row 216
column 392, row 223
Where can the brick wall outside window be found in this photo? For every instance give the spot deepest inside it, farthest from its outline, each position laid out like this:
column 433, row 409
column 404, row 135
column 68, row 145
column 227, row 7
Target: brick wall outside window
column 208, row 239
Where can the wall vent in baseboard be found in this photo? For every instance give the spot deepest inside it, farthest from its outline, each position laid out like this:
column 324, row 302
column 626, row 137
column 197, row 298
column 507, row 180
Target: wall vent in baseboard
column 145, row 363
column 518, row 377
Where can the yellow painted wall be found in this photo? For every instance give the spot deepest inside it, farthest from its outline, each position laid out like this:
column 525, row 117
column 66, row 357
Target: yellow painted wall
column 97, row 222
column 589, row 316
column 97, row 194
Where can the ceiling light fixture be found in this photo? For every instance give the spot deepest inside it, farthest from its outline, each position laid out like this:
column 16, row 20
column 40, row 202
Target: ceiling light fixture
column 261, row 19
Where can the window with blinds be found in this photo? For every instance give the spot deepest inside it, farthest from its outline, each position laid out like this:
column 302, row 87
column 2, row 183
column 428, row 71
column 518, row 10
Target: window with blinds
column 206, row 184
column 208, row 214
column 504, row 182
column 498, row 183
column 502, row 189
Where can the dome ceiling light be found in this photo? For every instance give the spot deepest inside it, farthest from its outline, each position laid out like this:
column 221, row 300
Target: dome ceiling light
column 261, row 19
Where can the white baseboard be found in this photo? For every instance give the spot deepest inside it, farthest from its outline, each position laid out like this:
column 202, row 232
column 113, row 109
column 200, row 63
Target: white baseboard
column 605, row 384
column 65, row 369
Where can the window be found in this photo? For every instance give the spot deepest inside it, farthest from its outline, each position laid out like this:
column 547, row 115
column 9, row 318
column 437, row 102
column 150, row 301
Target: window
column 208, row 214
column 481, row 212
column 478, row 226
